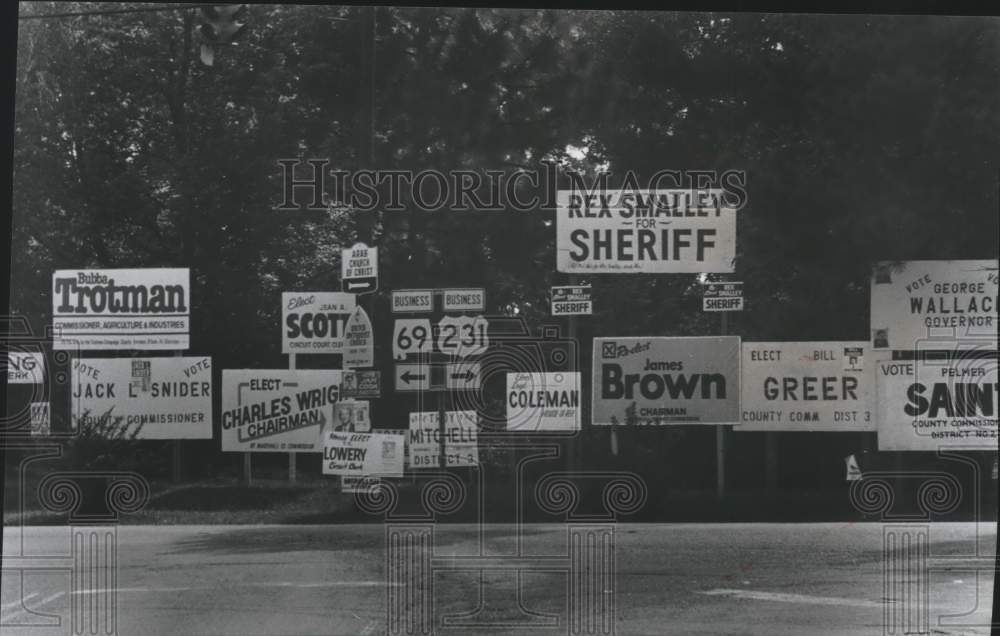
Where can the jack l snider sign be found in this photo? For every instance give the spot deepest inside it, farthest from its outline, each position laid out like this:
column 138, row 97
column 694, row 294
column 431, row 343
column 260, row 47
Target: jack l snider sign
column 279, row 410
column 361, row 454
column 572, row 301
column 157, row 398
column 121, row 308
column 928, row 305
column 660, row 380
column 645, row 231
column 930, row 405
column 314, row 322
column 807, row 386
column 543, row 401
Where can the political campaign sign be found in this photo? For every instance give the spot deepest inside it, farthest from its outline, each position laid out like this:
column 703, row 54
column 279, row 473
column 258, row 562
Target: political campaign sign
column 121, row 308
column 352, row 416
column 915, row 303
column 40, row 421
column 543, row 401
column 461, row 439
column 359, row 341
column 315, row 322
column 806, row 386
column 362, row 454
column 722, row 296
column 150, row 398
column 277, row 410
column 658, row 380
column 645, row 231
column 25, row 367
column 933, row 404
column 361, row 383
column 573, row 300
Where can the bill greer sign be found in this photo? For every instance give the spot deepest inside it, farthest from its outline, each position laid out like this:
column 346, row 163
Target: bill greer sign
column 121, row 308
column 645, row 231
column 806, row 386
column 158, row 398
column 658, row 380
column 277, row 410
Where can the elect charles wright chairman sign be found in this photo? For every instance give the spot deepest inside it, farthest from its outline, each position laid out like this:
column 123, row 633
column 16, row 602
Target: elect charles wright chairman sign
column 277, row 410
column 645, row 231
column 657, row 380
column 121, row 308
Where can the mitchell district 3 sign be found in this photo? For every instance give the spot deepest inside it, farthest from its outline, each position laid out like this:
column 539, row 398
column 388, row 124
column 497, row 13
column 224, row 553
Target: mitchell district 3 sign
column 645, row 231
column 658, row 380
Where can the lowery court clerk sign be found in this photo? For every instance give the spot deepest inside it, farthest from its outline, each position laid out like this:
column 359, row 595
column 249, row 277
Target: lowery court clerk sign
column 645, row 231
column 121, row 308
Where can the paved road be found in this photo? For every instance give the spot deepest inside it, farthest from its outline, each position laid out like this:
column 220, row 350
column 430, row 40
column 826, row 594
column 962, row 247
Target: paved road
column 773, row 579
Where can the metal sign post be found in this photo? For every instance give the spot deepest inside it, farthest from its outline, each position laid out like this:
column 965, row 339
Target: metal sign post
column 720, row 436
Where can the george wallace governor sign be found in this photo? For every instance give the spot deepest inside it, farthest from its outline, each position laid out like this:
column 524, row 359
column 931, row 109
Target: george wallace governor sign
column 658, row 380
column 645, row 231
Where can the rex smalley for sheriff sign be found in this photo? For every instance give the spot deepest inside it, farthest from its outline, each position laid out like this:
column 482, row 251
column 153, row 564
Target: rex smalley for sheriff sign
column 121, row 308
column 645, row 231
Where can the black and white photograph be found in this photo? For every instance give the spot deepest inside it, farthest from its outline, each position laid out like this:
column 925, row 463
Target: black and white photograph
column 375, row 320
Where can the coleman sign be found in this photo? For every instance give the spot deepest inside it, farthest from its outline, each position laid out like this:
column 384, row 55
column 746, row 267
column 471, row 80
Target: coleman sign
column 152, row 398
column 121, row 308
column 278, row 410
column 666, row 380
column 806, row 386
column 929, row 305
column 314, row 322
column 645, row 231
column 931, row 405
column 543, row 401
column 572, row 301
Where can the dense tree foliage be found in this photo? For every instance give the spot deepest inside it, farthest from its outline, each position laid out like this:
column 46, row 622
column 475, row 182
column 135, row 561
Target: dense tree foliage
column 864, row 138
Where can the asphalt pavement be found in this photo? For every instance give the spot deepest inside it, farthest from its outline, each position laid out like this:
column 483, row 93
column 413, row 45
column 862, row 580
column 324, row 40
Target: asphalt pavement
column 773, row 579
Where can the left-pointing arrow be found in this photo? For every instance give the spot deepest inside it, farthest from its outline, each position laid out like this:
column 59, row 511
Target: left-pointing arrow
column 407, row 376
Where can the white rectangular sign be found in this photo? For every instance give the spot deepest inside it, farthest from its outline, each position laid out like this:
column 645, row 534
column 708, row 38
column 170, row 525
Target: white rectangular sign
column 722, row 296
column 930, row 405
column 645, row 231
column 412, row 301
column 572, row 301
column 25, row 367
column 656, row 380
column 464, row 299
column 352, row 416
column 461, row 439
column 314, row 322
column 153, row 398
column 41, row 423
column 361, row 454
column 926, row 305
column 807, row 386
column 277, row 410
column 543, row 401
column 121, row 308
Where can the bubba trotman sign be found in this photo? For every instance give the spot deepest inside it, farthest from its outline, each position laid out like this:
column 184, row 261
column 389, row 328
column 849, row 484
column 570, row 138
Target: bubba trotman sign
column 121, row 308
column 928, row 305
column 806, row 386
column 277, row 410
column 936, row 404
column 645, row 231
column 666, row 380
column 150, row 398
